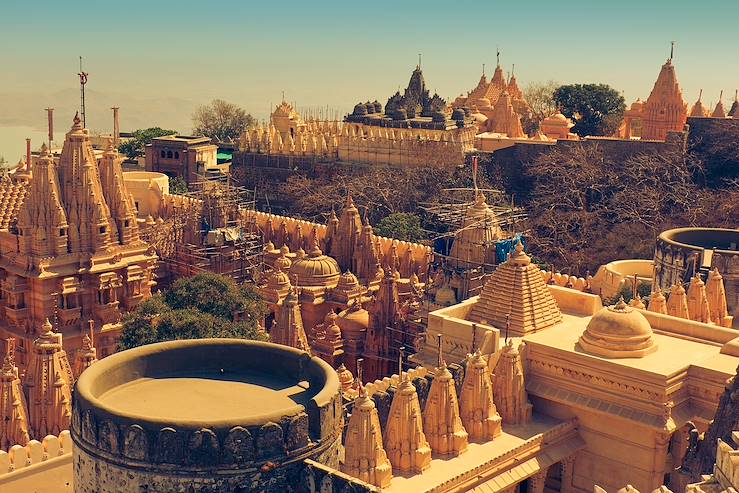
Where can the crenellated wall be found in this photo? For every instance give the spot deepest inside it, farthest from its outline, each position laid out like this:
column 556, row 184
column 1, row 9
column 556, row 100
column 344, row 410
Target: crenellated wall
column 39, row 467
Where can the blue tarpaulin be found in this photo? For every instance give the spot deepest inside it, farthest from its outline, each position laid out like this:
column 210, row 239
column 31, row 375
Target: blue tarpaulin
column 503, row 248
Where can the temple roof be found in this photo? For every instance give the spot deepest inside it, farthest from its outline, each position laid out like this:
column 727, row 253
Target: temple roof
column 516, row 295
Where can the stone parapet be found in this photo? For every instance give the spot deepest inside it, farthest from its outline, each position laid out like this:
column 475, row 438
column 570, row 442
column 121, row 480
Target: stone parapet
column 130, row 449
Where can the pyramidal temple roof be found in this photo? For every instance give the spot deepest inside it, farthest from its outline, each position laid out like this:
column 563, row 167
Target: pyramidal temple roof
column 516, row 295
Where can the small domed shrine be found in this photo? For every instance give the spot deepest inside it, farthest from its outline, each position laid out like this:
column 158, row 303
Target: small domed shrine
column 618, row 331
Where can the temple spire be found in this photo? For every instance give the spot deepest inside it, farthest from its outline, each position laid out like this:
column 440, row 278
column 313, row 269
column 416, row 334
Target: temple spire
column 509, row 386
column 441, row 420
column 48, row 381
column 479, row 414
column 716, row 294
column 87, row 354
column 364, row 454
column 13, row 410
column 405, row 441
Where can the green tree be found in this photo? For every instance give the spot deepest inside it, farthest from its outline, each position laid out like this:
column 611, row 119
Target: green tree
column 134, row 147
column 202, row 306
column 177, row 185
column 221, row 120
column 404, row 226
column 596, row 109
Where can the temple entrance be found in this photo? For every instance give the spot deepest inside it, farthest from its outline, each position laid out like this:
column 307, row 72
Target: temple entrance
column 553, row 481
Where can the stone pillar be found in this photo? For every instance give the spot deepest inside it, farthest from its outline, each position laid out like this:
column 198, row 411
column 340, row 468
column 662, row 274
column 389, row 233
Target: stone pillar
column 536, row 482
column 568, row 468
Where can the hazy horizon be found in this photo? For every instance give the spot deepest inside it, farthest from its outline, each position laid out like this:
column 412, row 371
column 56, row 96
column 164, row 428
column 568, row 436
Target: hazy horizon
column 159, row 60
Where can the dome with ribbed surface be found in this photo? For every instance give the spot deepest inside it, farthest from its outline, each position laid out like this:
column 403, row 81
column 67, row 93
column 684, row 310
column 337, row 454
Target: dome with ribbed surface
column 618, row 331
column 316, row 269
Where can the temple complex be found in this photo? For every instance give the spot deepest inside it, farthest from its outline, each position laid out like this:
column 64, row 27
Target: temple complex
column 70, row 249
column 664, row 110
column 607, row 367
column 356, row 300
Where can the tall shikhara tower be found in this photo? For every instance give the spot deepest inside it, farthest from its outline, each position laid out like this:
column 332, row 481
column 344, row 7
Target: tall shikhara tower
column 665, row 110
column 71, row 250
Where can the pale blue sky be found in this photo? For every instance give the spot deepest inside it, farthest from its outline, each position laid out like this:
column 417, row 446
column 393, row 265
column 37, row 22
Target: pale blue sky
column 335, row 53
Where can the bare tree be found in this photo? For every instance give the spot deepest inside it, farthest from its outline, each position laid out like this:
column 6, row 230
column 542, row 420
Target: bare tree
column 540, row 98
column 221, row 120
column 586, row 208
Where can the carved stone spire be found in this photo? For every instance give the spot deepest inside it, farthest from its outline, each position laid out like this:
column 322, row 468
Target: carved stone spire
column 287, row 329
column 719, row 111
column 677, row 303
column 48, row 383
column 364, row 455
column 120, row 201
column 42, row 219
column 479, row 414
column 82, row 195
column 366, row 256
column 697, row 301
column 510, row 388
column 405, row 441
column 504, row 119
column 87, row 354
column 349, row 228
column 665, row 110
column 441, row 421
column 329, row 344
column 657, row 302
column 13, row 411
column 699, row 110
column 716, row 294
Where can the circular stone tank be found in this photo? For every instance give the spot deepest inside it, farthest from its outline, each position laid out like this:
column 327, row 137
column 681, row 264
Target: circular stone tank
column 681, row 252
column 209, row 415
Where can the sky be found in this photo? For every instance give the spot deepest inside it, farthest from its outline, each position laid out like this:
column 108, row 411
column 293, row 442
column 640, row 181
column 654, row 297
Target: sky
column 158, row 60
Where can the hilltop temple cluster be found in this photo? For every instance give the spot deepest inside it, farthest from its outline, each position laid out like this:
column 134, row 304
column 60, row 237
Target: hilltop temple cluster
column 509, row 378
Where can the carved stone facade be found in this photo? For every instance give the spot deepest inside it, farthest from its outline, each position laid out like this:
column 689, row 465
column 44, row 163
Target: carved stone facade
column 70, row 249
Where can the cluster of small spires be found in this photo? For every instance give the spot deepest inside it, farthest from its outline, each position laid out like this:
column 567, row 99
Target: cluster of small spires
column 700, row 111
column 39, row 403
column 703, row 302
column 445, row 426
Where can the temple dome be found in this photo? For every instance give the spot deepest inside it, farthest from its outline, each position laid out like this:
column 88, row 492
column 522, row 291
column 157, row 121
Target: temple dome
column 347, row 282
column 316, row 270
column 618, row 331
column 479, row 118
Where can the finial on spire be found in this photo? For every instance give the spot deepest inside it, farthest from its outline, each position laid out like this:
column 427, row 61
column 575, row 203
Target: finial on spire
column 483, row 69
column 721, row 95
column 360, row 363
column 672, row 49
column 497, row 55
column 513, row 69
column 441, row 355
column 419, row 62
column 401, row 352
